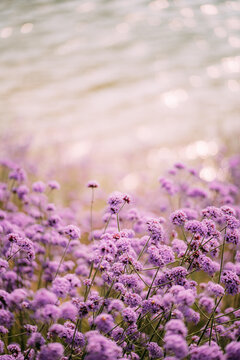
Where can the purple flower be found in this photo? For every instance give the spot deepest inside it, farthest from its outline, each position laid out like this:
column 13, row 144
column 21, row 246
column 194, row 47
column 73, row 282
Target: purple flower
column 6, row 318
column 18, row 174
column 207, row 303
column 232, row 236
column 92, row 184
column 30, row 328
column 161, row 255
column 14, row 349
column 129, row 315
column 116, row 305
column 177, row 327
column 178, row 274
column 208, row 265
column 211, row 352
column 60, row 287
column 99, row 347
column 132, row 299
column 53, row 185
column 21, row 191
column 4, row 299
column 155, row 351
column 3, row 266
column 215, row 289
column 196, row 227
column 233, row 351
column 178, row 217
column 197, row 193
column 227, row 210
column 155, row 229
column 48, row 313
column 131, row 281
column 26, row 246
column 212, row 212
column 44, row 297
column 117, row 333
column 168, row 186
column 179, row 166
column 52, row 351
column 179, row 247
column 54, row 220
column 36, row 340
column 176, row 344
column 72, row 231
column 185, row 297
column 104, row 322
column 115, row 202
column 81, row 306
column 231, row 282
column 153, row 305
column 39, row 186
column 68, row 311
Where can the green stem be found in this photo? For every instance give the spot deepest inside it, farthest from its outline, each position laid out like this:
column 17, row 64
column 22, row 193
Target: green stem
column 212, row 315
column 60, row 263
column 221, row 265
column 118, row 223
column 107, row 223
column 91, row 213
column 150, row 288
column 143, row 249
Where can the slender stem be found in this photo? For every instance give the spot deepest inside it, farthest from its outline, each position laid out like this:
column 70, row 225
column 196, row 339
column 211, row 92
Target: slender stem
column 221, row 265
column 230, row 312
column 203, row 245
column 10, row 257
column 154, row 332
column 60, row 263
column 212, row 315
column 74, row 334
column 150, row 288
column 94, row 275
column 118, row 224
column 143, row 249
column 139, row 276
column 91, row 212
column 199, row 309
column 107, row 223
column 187, row 250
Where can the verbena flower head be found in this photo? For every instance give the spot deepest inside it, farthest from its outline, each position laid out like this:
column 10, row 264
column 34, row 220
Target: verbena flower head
column 52, row 351
column 54, row 185
column 72, row 231
column 155, row 351
column 231, row 281
column 155, row 229
column 177, row 345
column 92, row 184
column 99, row 347
column 233, row 351
column 211, row 352
column 39, row 186
column 161, row 255
column 104, row 322
column 178, row 217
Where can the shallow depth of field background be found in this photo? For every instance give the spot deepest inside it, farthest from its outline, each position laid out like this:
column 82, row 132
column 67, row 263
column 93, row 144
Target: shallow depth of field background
column 119, row 87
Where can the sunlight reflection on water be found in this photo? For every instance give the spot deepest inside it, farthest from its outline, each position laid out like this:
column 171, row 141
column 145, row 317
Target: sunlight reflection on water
column 110, row 76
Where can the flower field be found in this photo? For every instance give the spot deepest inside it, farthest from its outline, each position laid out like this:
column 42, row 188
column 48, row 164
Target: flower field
column 130, row 280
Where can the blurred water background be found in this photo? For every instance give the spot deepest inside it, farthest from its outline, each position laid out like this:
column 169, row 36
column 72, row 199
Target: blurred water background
column 121, row 82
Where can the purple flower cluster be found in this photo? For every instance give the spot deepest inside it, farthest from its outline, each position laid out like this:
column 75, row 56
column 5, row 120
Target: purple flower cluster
column 152, row 282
